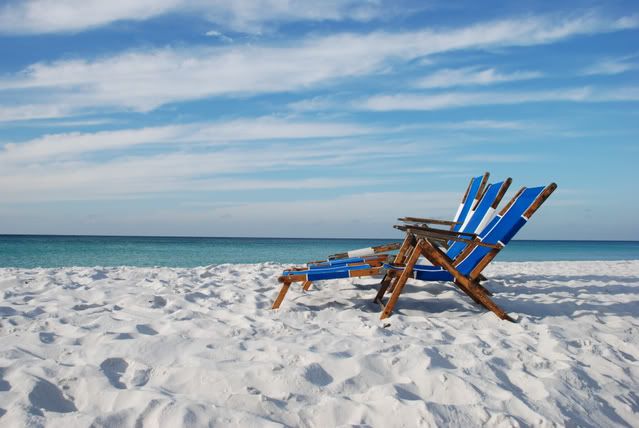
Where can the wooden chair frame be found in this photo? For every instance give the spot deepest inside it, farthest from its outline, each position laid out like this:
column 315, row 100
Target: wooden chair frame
column 441, row 237
column 469, row 283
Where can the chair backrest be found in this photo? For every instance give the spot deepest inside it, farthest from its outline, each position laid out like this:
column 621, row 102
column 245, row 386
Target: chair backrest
column 483, row 213
column 470, row 199
column 504, row 226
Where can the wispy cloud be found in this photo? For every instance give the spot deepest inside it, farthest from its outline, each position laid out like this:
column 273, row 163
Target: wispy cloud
column 56, row 146
column 60, row 16
column 420, row 101
column 192, row 158
column 143, row 81
column 483, row 124
column 612, row 66
column 218, row 35
column 489, row 158
column 472, row 76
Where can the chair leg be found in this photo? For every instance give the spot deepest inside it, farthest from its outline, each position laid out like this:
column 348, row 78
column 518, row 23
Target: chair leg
column 306, row 285
column 484, row 289
column 386, row 281
column 398, row 285
column 473, row 290
column 467, row 285
column 280, row 296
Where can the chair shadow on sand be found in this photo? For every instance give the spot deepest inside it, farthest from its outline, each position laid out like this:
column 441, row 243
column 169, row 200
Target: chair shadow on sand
column 511, row 291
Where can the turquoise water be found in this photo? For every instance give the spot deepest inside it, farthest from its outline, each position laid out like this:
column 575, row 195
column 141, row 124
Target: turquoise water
column 29, row 251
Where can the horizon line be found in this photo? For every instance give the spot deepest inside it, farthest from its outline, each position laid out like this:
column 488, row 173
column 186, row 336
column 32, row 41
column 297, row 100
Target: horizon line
column 271, row 237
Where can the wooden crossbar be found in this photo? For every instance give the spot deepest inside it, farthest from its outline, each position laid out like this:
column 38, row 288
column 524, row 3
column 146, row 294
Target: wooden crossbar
column 428, row 221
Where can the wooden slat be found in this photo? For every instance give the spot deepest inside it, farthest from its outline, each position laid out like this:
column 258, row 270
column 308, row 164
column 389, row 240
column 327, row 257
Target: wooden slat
column 501, row 193
column 540, row 199
column 427, row 220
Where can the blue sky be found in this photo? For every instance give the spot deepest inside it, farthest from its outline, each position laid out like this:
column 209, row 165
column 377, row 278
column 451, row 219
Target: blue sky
column 313, row 119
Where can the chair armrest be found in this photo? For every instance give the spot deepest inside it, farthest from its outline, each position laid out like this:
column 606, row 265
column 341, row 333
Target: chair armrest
column 437, row 235
column 427, row 220
column 452, row 233
column 367, row 252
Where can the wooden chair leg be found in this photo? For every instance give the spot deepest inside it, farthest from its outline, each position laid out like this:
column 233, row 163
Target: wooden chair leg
column 280, row 296
column 472, row 289
column 484, row 289
column 467, row 285
column 401, row 282
column 306, row 285
column 386, row 282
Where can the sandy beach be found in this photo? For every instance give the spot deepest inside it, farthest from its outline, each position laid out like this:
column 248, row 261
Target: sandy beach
column 193, row 347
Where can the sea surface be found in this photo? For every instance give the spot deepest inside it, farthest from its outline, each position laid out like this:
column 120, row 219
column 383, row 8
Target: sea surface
column 28, row 251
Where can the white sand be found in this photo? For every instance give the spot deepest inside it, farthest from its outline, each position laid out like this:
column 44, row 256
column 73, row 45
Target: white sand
column 189, row 347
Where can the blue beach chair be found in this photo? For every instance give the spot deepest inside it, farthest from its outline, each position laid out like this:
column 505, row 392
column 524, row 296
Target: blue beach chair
column 477, row 254
column 469, row 202
column 480, row 215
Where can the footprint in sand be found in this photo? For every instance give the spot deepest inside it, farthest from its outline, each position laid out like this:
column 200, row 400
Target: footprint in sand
column 84, row 306
column 46, row 337
column 158, row 302
column 47, row 396
column 6, row 311
column 315, row 374
column 113, row 369
column 123, row 336
column 120, row 373
column 4, row 385
column 140, row 377
column 146, row 329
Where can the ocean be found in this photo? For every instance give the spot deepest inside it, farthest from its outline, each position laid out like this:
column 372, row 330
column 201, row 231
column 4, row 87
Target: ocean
column 29, row 251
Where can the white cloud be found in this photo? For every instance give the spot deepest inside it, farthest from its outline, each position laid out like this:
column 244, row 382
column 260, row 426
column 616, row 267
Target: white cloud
column 472, row 76
column 66, row 145
column 489, row 158
column 13, row 113
column 197, row 157
column 613, row 66
column 143, row 81
column 219, row 35
column 218, row 170
column 483, row 124
column 62, row 16
column 412, row 101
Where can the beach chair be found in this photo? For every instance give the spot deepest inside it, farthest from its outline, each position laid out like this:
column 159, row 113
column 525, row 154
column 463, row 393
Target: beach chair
column 471, row 198
column 480, row 215
column 476, row 255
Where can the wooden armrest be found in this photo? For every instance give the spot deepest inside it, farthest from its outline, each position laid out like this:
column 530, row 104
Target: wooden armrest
column 438, row 236
column 427, row 220
column 376, row 249
column 439, row 231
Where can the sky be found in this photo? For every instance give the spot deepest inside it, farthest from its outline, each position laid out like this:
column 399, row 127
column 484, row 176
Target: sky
column 286, row 118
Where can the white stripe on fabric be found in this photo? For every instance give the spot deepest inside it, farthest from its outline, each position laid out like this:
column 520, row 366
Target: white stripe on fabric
column 468, row 217
column 484, row 221
column 362, row 252
column 459, row 210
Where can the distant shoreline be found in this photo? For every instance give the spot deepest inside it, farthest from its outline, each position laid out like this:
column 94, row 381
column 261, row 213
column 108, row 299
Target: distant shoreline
column 46, row 235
